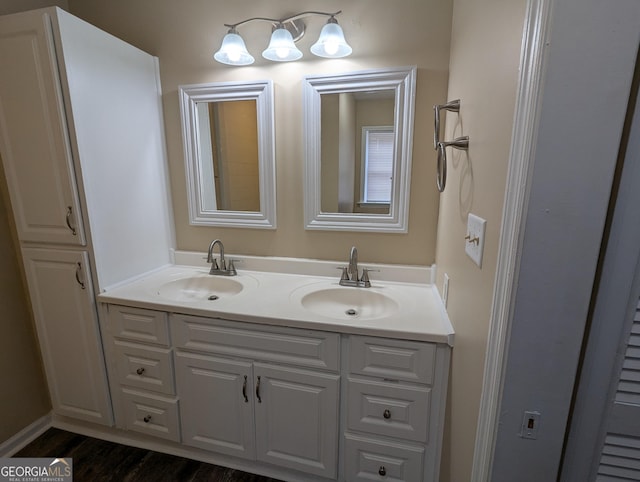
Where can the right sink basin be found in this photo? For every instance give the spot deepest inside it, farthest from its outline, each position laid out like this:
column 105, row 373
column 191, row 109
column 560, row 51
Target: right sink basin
column 345, row 303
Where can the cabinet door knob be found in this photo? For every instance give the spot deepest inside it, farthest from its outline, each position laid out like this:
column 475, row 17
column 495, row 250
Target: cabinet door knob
column 382, row 471
column 140, row 371
column 147, row 419
column 387, row 414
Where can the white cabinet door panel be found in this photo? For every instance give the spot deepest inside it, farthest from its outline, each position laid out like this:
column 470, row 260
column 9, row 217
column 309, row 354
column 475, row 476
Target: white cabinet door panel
column 34, row 143
column 67, row 326
column 216, row 403
column 297, row 418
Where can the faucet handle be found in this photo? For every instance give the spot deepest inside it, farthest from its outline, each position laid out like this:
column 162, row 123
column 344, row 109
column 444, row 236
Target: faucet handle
column 365, row 276
column 345, row 274
column 232, row 268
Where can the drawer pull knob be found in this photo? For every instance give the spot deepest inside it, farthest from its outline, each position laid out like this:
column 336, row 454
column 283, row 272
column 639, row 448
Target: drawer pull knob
column 140, row 371
column 386, row 414
column 382, row 471
column 147, row 419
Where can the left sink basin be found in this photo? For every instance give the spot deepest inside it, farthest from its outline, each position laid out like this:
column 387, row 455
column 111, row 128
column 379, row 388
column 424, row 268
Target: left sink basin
column 200, row 288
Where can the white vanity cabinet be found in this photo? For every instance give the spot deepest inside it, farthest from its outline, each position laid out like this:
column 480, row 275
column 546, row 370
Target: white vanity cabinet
column 82, row 147
column 303, row 404
column 259, row 392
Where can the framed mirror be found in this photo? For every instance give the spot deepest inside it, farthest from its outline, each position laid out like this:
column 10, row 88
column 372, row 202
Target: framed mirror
column 358, row 135
column 228, row 137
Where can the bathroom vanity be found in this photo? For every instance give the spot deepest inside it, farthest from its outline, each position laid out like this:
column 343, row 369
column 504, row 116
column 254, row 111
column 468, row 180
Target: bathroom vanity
column 286, row 374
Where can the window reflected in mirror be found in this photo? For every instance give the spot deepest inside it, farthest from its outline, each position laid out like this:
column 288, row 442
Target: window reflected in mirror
column 357, row 138
column 358, row 135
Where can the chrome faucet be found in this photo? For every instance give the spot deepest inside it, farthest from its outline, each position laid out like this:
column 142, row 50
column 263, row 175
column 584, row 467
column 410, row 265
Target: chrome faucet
column 220, row 269
column 350, row 275
column 353, row 264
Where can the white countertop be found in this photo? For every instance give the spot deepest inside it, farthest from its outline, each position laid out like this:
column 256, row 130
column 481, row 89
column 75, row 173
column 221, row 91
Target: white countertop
column 273, row 298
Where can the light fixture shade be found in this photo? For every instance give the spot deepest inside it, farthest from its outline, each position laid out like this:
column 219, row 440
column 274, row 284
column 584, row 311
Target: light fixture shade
column 281, row 47
column 233, row 50
column 331, row 43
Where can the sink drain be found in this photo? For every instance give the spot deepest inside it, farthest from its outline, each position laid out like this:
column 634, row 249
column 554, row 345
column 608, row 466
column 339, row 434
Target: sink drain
column 351, row 312
column 213, row 297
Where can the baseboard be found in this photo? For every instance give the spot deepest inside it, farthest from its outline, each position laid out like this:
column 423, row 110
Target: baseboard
column 25, row 436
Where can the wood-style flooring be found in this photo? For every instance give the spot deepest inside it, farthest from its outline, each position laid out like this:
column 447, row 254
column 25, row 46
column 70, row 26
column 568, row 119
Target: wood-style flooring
column 96, row 460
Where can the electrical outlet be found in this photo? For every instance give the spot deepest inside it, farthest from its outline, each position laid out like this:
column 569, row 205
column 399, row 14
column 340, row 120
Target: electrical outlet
column 530, row 424
column 445, row 290
column 474, row 240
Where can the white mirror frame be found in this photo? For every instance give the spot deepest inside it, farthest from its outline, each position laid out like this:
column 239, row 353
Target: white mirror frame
column 262, row 92
column 403, row 81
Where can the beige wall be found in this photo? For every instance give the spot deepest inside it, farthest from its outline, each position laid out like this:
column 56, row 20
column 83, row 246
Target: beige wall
column 485, row 52
column 24, row 396
column 184, row 36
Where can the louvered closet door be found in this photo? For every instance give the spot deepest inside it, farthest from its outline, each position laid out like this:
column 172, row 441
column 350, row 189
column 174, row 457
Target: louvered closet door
column 620, row 458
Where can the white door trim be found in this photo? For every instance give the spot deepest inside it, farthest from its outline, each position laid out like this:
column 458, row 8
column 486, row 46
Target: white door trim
column 526, row 117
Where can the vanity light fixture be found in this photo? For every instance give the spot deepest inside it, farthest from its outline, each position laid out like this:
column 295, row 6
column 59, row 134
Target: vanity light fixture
column 286, row 31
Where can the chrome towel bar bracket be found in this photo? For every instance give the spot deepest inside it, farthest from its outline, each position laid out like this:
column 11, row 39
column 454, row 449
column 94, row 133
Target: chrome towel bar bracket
column 452, row 106
column 441, row 146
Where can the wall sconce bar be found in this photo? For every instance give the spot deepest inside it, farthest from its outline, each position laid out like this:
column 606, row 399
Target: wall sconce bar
column 285, row 32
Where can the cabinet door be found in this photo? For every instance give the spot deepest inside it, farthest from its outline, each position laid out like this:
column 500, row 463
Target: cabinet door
column 34, row 143
column 216, row 403
column 297, row 418
column 67, row 326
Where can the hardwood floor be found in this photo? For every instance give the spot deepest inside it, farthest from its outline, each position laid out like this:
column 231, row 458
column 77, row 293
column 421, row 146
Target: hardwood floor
column 96, row 460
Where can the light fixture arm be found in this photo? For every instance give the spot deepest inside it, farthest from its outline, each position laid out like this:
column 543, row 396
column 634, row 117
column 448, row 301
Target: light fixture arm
column 279, row 21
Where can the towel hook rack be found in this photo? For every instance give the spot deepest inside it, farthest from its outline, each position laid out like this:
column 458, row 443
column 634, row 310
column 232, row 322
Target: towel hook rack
column 441, row 146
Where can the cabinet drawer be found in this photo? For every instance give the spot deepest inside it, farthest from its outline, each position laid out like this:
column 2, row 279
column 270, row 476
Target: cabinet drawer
column 137, row 324
column 411, row 361
column 371, row 459
column 152, row 415
column 147, row 367
column 259, row 342
column 390, row 409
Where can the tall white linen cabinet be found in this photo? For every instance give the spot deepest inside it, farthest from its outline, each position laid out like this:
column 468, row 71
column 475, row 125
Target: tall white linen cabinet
column 82, row 145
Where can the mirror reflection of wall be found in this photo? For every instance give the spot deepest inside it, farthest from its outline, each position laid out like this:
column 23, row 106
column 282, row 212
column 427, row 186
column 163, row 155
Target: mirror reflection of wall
column 228, row 145
column 229, row 153
column 357, row 137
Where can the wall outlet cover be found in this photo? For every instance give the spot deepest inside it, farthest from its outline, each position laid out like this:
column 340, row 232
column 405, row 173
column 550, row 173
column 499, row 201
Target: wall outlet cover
column 474, row 241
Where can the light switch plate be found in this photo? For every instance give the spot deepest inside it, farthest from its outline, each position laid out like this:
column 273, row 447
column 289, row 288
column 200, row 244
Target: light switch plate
column 474, row 241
